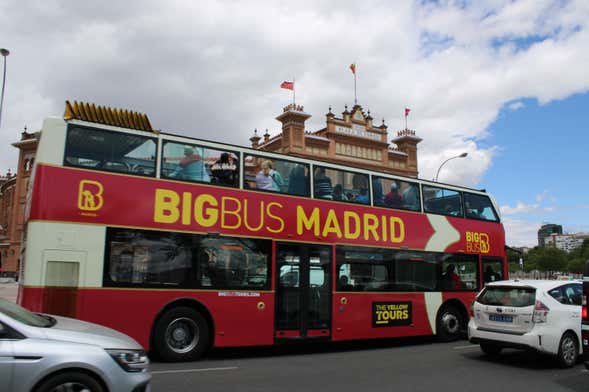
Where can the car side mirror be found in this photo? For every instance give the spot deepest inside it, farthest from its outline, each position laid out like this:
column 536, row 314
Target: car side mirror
column 3, row 331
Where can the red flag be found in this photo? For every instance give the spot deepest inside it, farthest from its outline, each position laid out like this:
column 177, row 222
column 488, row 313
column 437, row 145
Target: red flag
column 407, row 110
column 287, row 85
column 353, row 68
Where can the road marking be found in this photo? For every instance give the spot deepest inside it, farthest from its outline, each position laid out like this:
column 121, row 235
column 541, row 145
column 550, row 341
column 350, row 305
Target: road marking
column 465, row 347
column 193, row 370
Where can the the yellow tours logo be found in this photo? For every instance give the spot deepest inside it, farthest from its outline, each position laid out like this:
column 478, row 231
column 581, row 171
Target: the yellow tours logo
column 90, row 195
column 477, row 242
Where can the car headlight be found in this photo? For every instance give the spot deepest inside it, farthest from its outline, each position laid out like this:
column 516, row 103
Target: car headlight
column 130, row 360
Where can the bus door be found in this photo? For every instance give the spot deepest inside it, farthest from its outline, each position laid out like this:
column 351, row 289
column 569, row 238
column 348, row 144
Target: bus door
column 303, row 291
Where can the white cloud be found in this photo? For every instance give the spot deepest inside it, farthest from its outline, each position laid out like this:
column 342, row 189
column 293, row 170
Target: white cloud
column 520, row 208
column 212, row 69
column 541, row 196
column 516, row 105
column 519, row 232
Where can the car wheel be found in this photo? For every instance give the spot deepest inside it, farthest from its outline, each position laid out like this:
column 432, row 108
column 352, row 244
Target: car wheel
column 71, row 382
column 181, row 334
column 449, row 324
column 491, row 349
column 568, row 350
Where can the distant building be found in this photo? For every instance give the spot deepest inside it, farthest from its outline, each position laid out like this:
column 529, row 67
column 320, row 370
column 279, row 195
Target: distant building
column 566, row 242
column 547, row 230
column 352, row 140
column 13, row 193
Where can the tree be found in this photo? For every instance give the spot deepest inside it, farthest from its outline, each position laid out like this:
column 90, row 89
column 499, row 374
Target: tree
column 576, row 266
column 551, row 259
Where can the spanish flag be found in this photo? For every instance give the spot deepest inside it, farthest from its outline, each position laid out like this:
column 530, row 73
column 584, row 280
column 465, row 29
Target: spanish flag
column 353, row 68
column 287, row 85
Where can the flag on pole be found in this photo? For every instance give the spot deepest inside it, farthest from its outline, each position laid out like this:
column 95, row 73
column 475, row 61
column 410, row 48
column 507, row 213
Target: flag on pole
column 407, row 110
column 353, row 68
column 287, row 85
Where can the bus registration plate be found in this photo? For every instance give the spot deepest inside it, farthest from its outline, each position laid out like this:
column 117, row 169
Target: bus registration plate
column 501, row 318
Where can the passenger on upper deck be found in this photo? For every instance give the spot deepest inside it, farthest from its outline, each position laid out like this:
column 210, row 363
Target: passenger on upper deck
column 377, row 192
column 192, row 167
column 363, row 196
column 268, row 178
column 338, row 193
column 298, row 181
column 224, row 170
column 394, row 198
column 411, row 196
column 322, row 184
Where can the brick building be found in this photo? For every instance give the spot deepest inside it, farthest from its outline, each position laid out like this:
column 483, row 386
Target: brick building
column 351, row 139
column 13, row 194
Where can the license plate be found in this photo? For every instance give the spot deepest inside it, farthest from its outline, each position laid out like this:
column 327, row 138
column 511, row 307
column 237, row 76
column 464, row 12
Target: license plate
column 501, row 318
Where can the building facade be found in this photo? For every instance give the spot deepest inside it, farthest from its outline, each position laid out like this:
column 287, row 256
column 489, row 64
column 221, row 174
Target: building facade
column 351, row 139
column 547, row 230
column 13, row 194
column 566, row 242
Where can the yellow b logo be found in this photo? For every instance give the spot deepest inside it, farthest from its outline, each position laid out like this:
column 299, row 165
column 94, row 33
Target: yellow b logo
column 90, row 195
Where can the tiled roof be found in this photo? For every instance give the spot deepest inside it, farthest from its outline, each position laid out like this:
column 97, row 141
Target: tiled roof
column 105, row 115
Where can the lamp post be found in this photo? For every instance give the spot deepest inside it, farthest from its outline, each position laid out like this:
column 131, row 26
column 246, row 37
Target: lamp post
column 4, row 53
column 464, row 154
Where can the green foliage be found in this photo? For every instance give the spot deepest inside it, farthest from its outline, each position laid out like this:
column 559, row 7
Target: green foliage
column 576, row 266
column 552, row 259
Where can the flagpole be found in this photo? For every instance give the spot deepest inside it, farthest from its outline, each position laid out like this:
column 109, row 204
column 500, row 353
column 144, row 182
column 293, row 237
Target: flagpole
column 405, row 119
column 294, row 86
column 355, row 95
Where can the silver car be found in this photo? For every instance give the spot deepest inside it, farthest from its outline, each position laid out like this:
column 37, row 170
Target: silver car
column 42, row 353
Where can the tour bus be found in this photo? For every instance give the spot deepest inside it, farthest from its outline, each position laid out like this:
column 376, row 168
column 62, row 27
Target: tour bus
column 188, row 244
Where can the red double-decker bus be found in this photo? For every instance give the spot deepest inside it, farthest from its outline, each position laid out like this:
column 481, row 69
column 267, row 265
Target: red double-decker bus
column 188, row 244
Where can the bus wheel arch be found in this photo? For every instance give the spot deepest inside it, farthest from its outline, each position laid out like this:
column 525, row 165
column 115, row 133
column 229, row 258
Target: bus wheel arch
column 451, row 320
column 182, row 320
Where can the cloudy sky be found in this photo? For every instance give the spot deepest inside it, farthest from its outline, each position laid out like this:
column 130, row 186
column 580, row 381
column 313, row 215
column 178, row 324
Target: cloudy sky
column 505, row 81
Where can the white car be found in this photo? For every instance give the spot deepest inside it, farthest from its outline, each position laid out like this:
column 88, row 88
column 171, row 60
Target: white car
column 43, row 353
column 542, row 315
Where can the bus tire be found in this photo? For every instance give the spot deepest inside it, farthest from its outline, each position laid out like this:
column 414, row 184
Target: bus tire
column 449, row 324
column 568, row 350
column 181, row 334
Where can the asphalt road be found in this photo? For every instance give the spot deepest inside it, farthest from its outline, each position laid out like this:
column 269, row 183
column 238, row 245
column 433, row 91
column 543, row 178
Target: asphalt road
column 401, row 365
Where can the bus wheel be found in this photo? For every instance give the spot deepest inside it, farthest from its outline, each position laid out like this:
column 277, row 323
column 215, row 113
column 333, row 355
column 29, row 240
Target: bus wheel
column 181, row 334
column 449, row 324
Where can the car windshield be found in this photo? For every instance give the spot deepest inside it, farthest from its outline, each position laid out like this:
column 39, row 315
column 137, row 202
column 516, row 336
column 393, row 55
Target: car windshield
column 24, row 316
column 508, row 296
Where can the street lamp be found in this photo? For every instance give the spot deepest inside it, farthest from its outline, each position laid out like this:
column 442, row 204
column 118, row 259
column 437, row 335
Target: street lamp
column 464, row 154
column 4, row 53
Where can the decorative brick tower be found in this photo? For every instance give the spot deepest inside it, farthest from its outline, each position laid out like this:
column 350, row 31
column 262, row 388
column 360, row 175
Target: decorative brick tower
column 351, row 140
